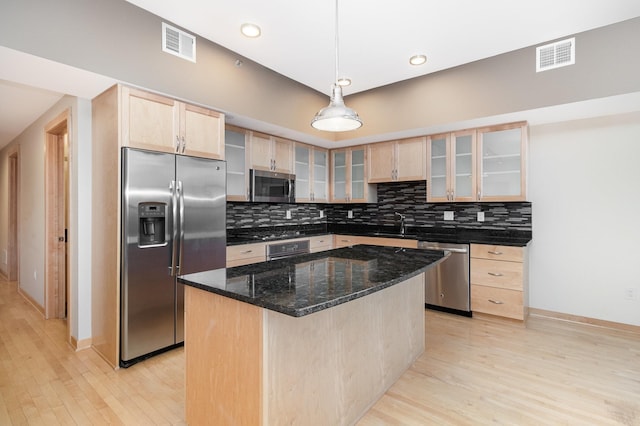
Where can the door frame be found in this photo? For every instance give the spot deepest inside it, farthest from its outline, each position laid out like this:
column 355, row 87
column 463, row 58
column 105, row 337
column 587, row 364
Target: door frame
column 57, row 273
column 14, row 214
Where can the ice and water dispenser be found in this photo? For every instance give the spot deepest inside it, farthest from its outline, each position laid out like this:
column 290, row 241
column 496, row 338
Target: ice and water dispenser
column 152, row 224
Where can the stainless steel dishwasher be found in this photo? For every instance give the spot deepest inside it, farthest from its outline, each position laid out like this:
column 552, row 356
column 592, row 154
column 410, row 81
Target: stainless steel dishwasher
column 447, row 284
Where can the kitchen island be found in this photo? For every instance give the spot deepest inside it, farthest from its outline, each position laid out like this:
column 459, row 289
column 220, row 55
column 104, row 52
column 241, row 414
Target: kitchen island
column 312, row 339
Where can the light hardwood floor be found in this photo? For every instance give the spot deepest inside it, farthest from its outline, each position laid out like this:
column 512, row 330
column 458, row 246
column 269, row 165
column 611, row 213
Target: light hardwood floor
column 473, row 372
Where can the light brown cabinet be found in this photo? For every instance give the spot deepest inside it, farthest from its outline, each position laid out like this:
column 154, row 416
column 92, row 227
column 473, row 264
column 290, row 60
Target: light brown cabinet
column 236, row 142
column 123, row 116
column 270, row 153
column 397, row 161
column 245, row 254
column 349, row 182
column 351, row 240
column 155, row 122
column 499, row 280
column 486, row 164
column 311, row 167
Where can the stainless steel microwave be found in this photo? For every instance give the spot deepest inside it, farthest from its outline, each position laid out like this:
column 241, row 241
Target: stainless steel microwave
column 272, row 187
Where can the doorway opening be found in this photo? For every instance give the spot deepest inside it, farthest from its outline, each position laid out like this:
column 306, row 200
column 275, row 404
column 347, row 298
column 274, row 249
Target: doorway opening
column 57, row 269
column 11, row 257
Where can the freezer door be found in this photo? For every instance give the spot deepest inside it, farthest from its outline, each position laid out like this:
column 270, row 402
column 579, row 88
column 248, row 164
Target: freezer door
column 148, row 290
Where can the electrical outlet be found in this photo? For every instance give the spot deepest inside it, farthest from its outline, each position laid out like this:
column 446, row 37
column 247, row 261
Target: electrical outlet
column 35, row 275
column 321, row 214
column 350, row 214
column 448, row 215
column 631, row 293
column 480, row 216
column 288, row 215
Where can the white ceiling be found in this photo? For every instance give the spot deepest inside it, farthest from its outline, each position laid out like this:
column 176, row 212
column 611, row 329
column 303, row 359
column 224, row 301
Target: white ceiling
column 376, row 41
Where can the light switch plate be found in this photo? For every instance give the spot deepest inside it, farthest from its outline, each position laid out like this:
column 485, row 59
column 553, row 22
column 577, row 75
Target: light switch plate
column 288, row 214
column 321, row 214
column 480, row 216
column 448, row 215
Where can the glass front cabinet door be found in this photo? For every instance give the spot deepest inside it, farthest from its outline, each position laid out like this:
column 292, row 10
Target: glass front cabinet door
column 486, row 164
column 502, row 163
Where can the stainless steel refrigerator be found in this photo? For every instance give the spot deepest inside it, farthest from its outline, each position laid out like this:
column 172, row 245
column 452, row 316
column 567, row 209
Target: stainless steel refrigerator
column 173, row 223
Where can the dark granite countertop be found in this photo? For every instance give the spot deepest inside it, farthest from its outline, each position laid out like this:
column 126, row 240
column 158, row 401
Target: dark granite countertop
column 458, row 234
column 302, row 285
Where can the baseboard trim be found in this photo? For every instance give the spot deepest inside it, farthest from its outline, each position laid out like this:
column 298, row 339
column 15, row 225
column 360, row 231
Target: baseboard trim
column 584, row 320
column 32, row 301
column 80, row 345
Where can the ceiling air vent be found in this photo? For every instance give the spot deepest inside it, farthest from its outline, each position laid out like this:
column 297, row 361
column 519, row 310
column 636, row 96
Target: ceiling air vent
column 556, row 55
column 178, row 43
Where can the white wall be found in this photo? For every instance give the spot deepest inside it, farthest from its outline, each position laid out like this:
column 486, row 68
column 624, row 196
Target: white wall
column 584, row 184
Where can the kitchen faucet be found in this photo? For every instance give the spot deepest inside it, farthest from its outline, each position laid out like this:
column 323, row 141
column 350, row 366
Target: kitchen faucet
column 402, row 217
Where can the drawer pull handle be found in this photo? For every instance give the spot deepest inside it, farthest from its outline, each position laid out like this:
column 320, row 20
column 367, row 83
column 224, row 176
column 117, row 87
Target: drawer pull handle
column 495, row 274
column 497, row 253
column 345, row 241
column 246, row 252
column 496, row 302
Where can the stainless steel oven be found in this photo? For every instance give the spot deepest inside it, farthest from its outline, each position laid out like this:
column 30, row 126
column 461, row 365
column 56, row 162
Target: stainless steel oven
column 447, row 284
column 272, row 187
column 287, row 249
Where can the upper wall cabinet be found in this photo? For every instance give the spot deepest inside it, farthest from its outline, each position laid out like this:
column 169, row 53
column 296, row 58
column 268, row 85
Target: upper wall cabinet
column 452, row 167
column 158, row 123
column 270, row 153
column 397, row 161
column 502, row 163
column 349, row 182
column 311, row 168
column 236, row 142
column 485, row 164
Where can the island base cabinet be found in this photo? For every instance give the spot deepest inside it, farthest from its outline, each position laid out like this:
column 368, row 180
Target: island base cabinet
column 248, row 365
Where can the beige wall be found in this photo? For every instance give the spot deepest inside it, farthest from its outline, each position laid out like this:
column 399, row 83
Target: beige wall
column 124, row 44
column 31, row 220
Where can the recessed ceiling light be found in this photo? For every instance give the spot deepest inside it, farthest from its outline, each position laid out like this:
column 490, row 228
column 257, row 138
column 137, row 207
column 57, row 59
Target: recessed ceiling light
column 250, row 30
column 417, row 59
column 344, row 81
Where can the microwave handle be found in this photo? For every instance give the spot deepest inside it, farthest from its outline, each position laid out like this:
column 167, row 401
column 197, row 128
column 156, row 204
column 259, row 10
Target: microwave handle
column 289, row 188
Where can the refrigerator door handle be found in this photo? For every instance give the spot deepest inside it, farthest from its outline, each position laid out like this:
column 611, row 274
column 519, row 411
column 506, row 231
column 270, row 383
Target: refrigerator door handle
column 174, row 227
column 181, row 238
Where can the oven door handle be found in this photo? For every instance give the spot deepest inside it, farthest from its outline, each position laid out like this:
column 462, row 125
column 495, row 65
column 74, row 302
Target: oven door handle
column 455, row 250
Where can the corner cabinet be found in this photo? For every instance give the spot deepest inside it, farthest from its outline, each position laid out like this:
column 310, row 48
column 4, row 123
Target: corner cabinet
column 311, row 167
column 159, row 123
column 123, row 116
column 237, row 153
column 397, row 161
column 487, row 164
column 270, row 153
column 349, row 182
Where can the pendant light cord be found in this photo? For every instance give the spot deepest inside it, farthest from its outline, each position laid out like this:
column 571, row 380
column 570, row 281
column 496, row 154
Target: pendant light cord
column 337, row 58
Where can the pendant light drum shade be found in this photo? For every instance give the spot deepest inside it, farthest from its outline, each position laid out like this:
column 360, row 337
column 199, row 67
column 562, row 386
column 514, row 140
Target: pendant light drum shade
column 336, row 117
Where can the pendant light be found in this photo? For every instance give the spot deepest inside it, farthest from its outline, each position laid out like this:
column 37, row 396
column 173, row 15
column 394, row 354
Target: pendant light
column 336, row 117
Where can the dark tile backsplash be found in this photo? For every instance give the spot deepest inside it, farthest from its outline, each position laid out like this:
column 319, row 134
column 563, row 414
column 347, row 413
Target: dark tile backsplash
column 407, row 198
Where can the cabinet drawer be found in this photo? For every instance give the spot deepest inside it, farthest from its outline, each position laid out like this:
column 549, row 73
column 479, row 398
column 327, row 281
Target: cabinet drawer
column 509, row 253
column 497, row 301
column 321, row 243
column 497, row 274
column 245, row 253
